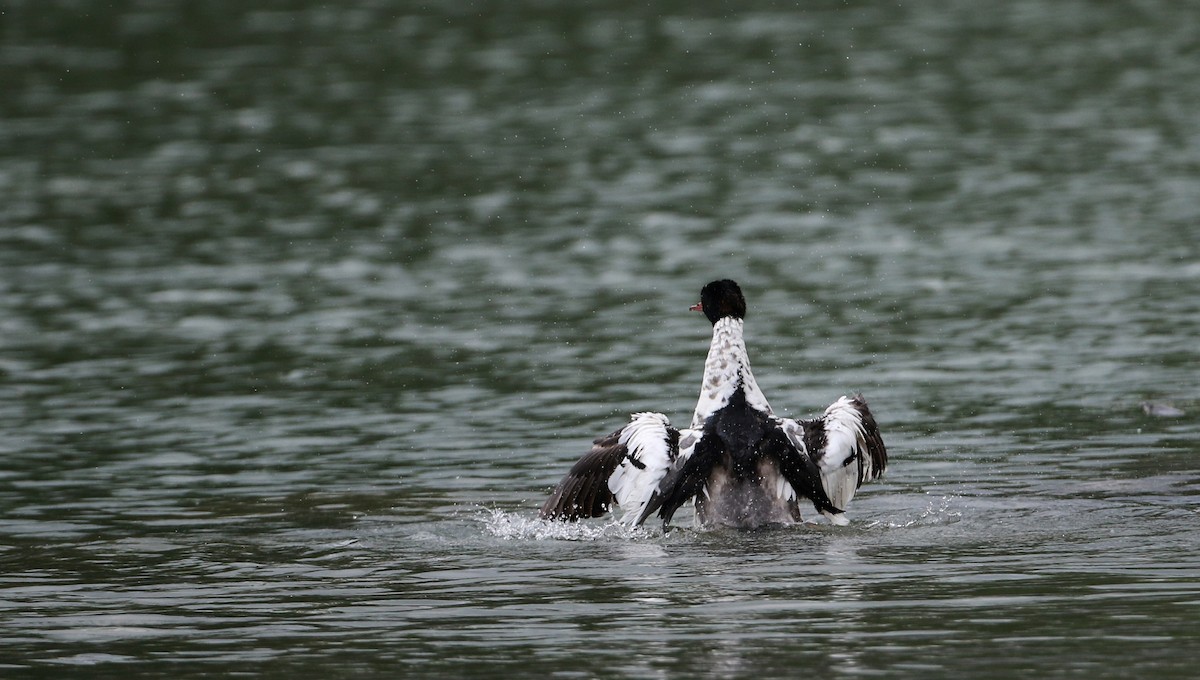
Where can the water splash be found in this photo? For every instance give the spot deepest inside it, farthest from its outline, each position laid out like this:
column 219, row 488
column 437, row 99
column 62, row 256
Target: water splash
column 937, row 511
column 512, row 526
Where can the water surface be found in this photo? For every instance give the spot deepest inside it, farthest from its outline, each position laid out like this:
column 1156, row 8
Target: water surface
column 305, row 308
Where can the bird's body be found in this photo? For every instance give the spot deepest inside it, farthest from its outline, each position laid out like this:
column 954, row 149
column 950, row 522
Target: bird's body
column 744, row 466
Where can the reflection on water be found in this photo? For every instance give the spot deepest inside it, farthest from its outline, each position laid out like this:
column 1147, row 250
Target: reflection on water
column 304, row 308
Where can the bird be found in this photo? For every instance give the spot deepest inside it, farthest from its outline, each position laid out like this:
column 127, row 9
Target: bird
column 740, row 464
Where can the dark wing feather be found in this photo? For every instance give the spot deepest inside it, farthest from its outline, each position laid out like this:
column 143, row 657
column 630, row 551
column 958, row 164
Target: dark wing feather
column 876, row 450
column 584, row 492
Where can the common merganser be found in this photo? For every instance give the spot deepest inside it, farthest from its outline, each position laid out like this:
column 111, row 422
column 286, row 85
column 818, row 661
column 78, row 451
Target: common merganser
column 743, row 465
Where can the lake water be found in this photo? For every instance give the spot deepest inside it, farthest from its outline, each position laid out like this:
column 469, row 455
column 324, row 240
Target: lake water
column 304, row 308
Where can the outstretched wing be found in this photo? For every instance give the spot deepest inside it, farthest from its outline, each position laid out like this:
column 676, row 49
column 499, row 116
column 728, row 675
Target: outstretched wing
column 846, row 446
column 625, row 468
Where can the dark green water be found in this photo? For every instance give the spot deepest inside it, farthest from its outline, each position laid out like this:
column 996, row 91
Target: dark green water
column 304, row 308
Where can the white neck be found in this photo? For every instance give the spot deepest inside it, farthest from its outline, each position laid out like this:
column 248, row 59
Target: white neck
column 726, row 370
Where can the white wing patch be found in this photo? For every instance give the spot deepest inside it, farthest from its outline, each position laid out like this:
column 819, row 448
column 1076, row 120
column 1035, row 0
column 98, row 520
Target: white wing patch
column 650, row 456
column 844, row 463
